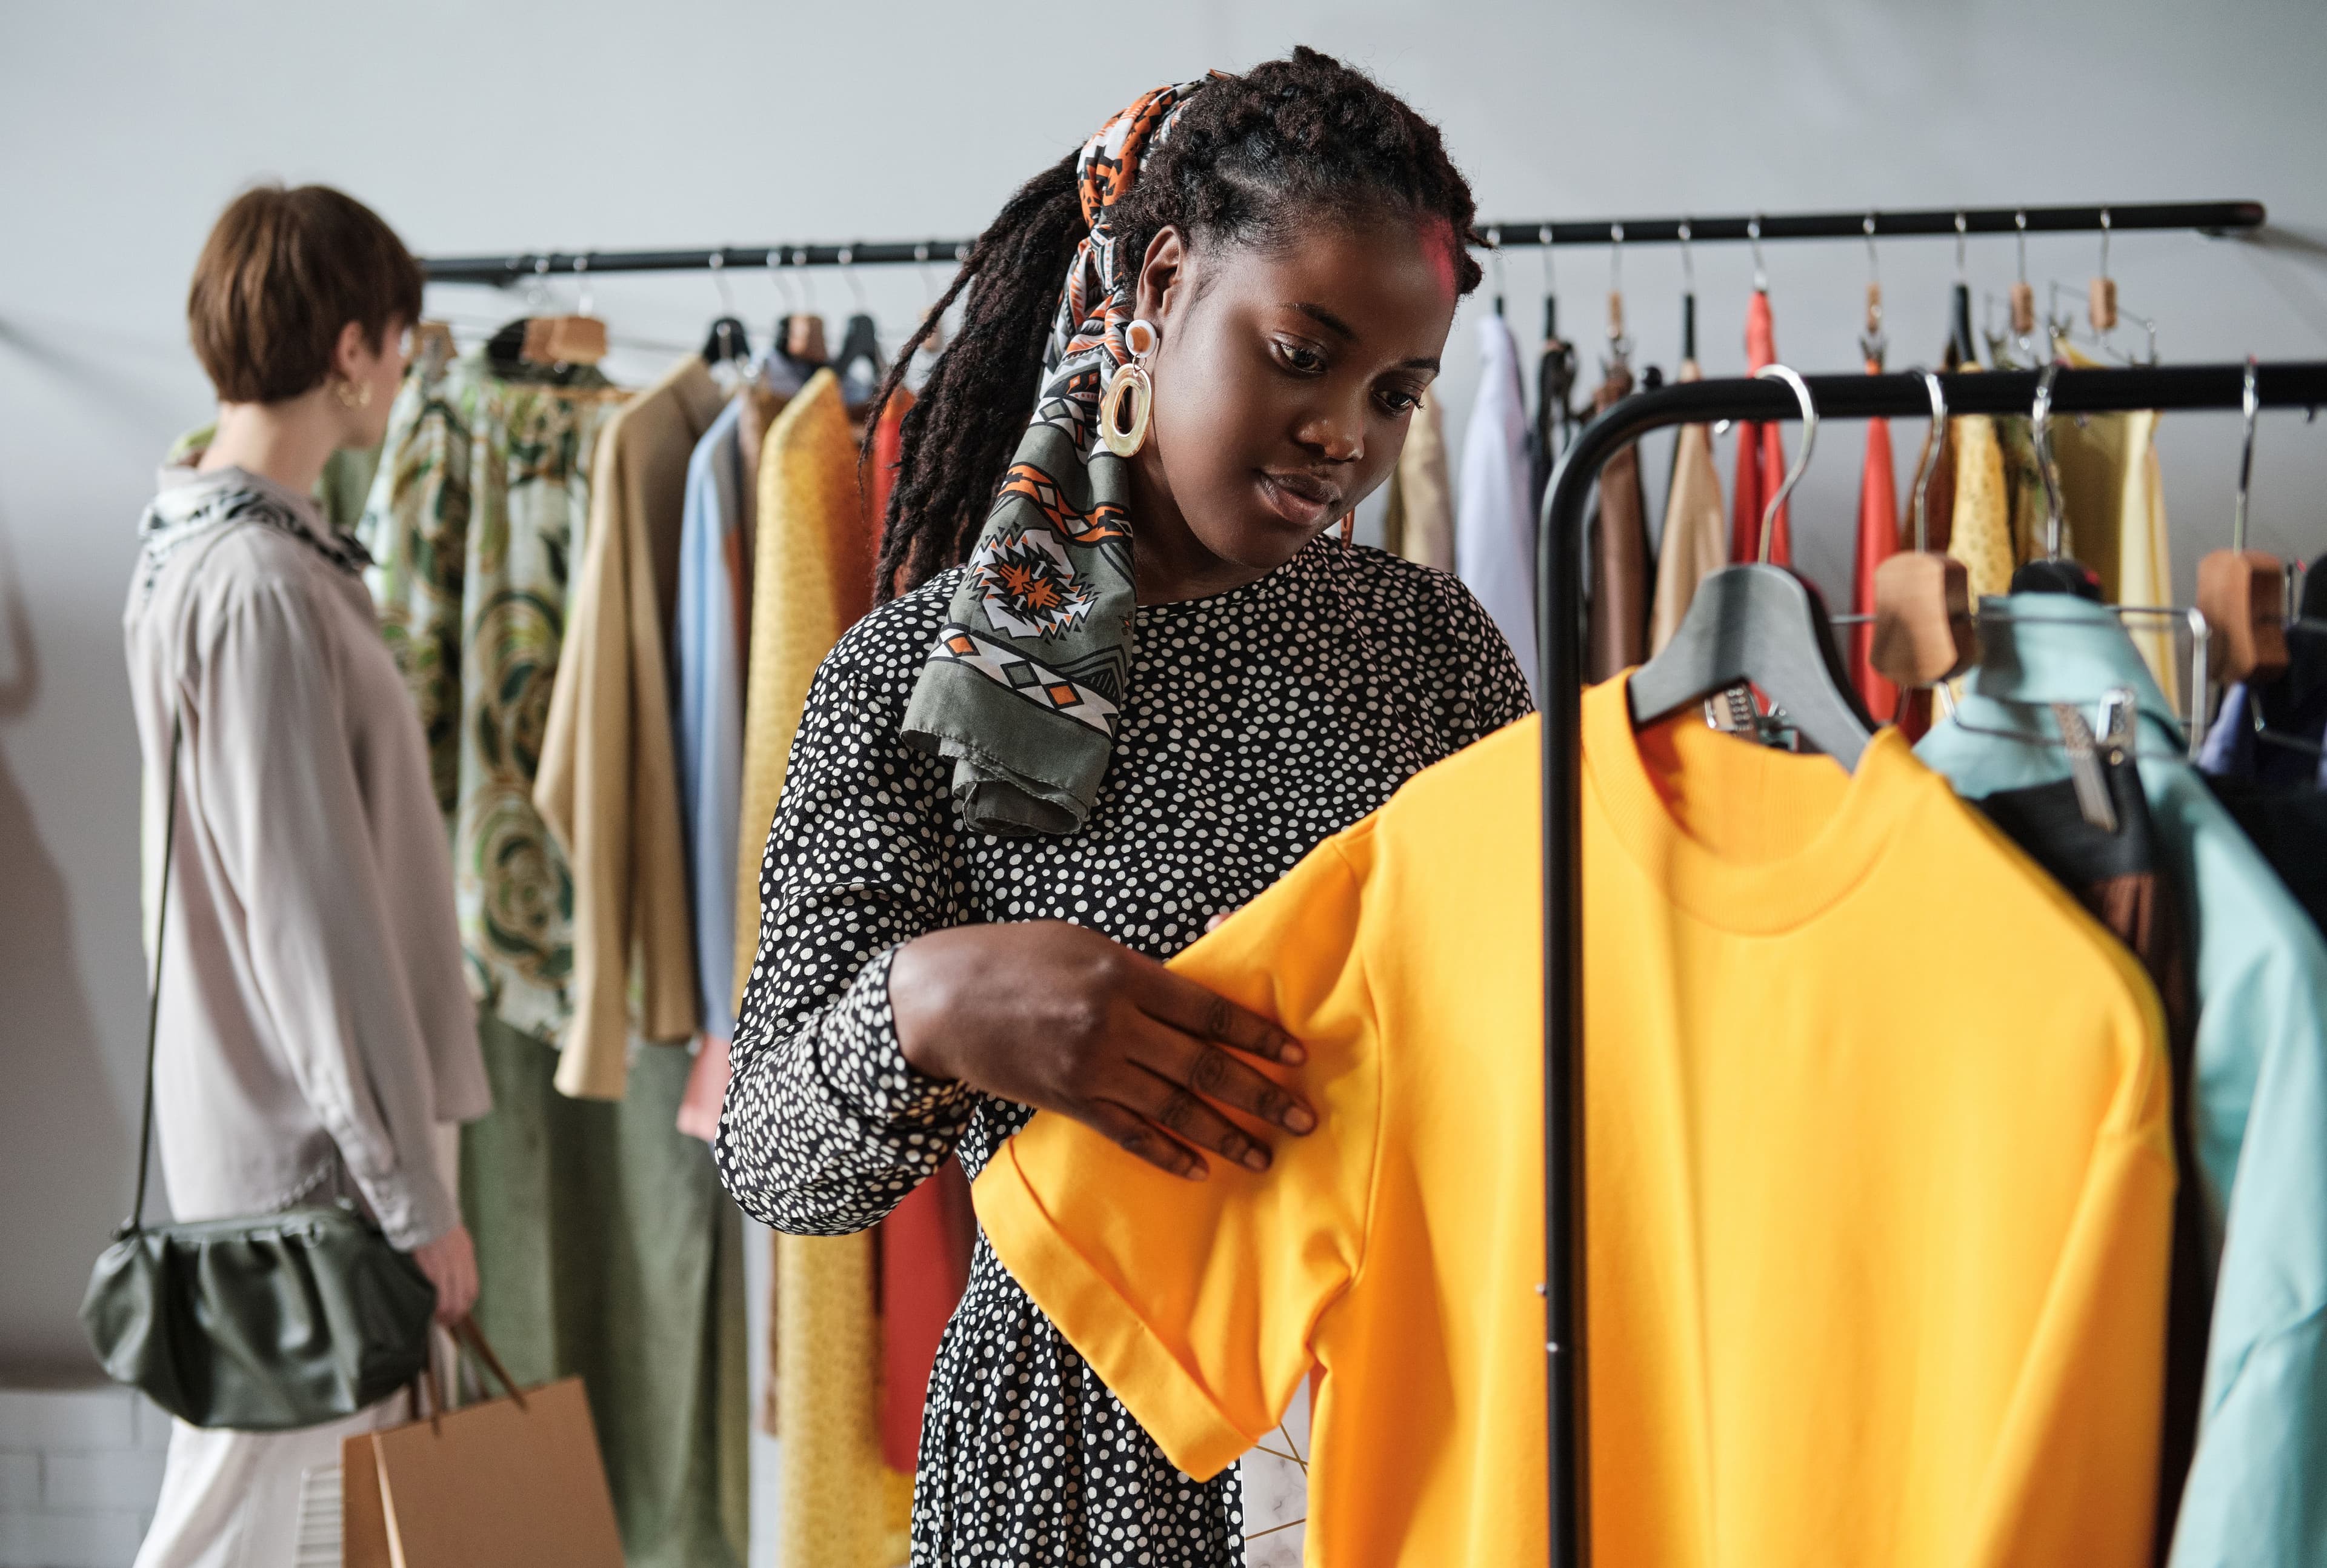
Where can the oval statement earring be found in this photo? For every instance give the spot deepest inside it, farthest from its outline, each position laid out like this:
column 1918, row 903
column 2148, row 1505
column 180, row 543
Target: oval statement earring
column 1124, row 430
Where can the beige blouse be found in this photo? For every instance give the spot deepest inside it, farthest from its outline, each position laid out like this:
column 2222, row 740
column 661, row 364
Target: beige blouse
column 314, row 1024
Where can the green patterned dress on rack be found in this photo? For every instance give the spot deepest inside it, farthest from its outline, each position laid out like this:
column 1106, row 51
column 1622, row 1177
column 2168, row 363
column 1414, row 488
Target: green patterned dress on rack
column 605, row 1248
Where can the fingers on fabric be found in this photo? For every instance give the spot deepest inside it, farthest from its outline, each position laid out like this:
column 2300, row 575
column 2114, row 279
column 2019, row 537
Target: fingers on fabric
column 1205, row 1069
column 1138, row 1135
column 1192, row 1010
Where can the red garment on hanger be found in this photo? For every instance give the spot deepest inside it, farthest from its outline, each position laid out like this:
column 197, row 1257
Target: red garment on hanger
column 924, row 1267
column 1761, row 455
column 1878, row 541
column 888, row 452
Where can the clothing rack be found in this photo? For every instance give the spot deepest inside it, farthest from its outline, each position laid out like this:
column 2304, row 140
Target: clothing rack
column 1559, row 628
column 2213, row 218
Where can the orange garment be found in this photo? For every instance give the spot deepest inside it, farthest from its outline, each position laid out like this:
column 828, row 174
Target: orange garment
column 1761, row 455
column 925, row 1244
column 1868, row 1284
column 1878, row 541
column 888, row 452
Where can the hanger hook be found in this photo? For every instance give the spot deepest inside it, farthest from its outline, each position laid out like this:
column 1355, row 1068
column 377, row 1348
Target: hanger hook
column 855, row 284
column 2040, row 432
column 719, row 279
column 1543, row 241
column 1753, row 233
column 1687, row 258
column 1801, row 458
column 1495, row 261
column 1963, row 228
column 2248, row 402
column 1930, row 463
column 2105, row 239
column 1873, row 266
column 2020, row 238
column 582, row 284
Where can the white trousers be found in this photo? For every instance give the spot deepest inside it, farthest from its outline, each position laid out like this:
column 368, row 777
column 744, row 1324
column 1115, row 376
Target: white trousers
column 237, row 1499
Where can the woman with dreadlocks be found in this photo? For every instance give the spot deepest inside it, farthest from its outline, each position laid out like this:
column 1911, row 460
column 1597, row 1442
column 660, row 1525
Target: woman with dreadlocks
column 1125, row 677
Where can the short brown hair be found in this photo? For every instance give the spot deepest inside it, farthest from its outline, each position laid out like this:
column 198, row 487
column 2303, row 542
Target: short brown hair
column 282, row 273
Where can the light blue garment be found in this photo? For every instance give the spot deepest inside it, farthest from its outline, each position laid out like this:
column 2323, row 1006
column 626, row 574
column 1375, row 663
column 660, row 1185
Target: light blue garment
column 1494, row 527
column 708, row 648
column 2258, row 1489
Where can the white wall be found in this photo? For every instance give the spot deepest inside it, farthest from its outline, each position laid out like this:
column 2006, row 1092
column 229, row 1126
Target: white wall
column 124, row 127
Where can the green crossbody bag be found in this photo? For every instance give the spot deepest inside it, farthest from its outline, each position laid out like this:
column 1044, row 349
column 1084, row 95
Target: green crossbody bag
column 266, row 1324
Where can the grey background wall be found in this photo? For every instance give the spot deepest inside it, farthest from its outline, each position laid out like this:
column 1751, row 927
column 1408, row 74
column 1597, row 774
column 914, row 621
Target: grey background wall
column 598, row 124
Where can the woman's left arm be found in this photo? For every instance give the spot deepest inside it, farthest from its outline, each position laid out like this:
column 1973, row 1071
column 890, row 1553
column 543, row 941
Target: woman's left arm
column 277, row 794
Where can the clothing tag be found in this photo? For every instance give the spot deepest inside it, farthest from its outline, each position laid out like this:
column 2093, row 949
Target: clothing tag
column 1733, row 714
column 2085, row 768
column 2116, row 726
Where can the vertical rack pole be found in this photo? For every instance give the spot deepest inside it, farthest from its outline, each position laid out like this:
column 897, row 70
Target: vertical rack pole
column 1559, row 645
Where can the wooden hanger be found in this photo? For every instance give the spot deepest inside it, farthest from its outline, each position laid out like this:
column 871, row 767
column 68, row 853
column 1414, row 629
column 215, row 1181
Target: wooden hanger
column 1924, row 629
column 2242, row 592
column 1760, row 626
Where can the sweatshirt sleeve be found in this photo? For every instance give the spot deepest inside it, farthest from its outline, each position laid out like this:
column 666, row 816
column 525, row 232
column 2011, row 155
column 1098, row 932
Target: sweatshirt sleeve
column 1197, row 1302
column 827, row 1127
column 282, row 801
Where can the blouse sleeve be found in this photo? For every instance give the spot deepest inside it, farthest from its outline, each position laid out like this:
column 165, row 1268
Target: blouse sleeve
column 1486, row 689
column 827, row 1127
column 280, row 798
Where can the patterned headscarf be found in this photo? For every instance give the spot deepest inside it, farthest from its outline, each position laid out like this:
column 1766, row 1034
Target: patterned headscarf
column 1026, row 682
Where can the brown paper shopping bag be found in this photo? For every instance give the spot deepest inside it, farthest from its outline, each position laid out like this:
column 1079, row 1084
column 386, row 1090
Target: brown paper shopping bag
column 504, row 1483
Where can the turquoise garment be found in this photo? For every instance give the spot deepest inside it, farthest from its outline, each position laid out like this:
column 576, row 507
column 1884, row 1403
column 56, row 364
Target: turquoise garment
column 2258, row 1489
column 707, row 645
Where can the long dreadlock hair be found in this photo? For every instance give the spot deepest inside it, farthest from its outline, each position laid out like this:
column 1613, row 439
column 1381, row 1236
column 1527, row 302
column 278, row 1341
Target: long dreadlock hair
column 1252, row 160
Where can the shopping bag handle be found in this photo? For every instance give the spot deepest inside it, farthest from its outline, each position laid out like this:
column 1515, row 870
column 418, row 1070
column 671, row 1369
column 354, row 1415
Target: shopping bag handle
column 465, row 1332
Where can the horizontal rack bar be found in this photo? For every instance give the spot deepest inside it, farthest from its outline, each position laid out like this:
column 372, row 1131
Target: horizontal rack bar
column 2204, row 217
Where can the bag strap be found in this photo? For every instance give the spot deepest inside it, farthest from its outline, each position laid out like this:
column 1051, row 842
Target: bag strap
column 466, row 1332
column 131, row 1226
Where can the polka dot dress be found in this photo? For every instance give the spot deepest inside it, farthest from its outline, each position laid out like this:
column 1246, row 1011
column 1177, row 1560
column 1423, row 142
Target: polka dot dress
column 1259, row 722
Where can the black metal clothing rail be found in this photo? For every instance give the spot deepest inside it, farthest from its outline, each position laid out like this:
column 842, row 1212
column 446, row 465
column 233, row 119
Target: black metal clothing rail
column 1559, row 627
column 2206, row 217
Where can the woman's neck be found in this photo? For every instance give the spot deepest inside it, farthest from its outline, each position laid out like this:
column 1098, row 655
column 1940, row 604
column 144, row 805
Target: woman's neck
column 1170, row 562
column 288, row 442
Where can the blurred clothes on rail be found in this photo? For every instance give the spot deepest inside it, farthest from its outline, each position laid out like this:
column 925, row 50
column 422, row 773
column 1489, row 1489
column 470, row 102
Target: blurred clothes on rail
column 1694, row 544
column 2258, row 1078
column 1418, row 522
column 1878, row 541
column 1617, row 549
column 474, row 519
column 1494, row 531
column 608, row 784
column 1761, row 455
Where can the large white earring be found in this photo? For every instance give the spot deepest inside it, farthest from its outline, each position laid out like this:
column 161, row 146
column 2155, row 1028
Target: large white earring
column 1124, row 430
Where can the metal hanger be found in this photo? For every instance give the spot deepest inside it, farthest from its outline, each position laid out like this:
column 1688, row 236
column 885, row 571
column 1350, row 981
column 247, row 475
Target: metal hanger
column 2055, row 572
column 727, row 342
column 1874, row 342
column 1760, row 626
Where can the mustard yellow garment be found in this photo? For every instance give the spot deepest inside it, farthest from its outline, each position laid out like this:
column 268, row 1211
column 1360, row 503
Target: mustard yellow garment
column 608, row 782
column 1979, row 533
column 2116, row 501
column 811, row 577
column 1871, row 1281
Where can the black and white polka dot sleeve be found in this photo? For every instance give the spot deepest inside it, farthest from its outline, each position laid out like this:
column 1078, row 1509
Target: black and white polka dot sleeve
column 1479, row 689
column 826, row 1126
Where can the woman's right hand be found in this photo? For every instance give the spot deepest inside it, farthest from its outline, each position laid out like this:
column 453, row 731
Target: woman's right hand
column 1056, row 1016
column 450, row 1261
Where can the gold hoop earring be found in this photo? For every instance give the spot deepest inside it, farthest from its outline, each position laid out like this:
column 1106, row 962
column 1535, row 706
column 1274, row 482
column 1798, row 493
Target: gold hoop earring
column 353, row 396
column 1131, row 384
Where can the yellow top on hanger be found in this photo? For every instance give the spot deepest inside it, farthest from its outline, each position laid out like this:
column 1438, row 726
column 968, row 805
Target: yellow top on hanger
column 1871, row 1280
